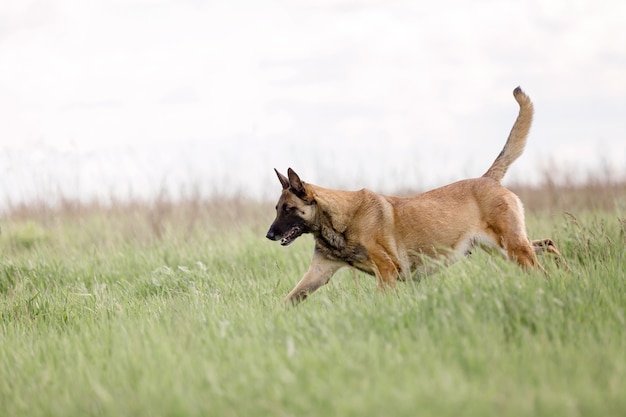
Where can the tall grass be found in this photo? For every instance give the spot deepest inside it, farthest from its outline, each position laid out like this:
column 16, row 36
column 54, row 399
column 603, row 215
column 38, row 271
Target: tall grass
column 174, row 308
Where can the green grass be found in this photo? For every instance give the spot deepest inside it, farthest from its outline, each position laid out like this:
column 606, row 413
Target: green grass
column 107, row 314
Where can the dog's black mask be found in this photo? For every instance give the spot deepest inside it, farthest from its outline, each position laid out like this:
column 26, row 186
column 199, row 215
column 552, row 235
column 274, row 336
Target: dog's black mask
column 289, row 224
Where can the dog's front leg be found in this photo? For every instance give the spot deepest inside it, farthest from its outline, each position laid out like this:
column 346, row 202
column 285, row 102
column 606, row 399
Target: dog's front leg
column 319, row 273
column 385, row 269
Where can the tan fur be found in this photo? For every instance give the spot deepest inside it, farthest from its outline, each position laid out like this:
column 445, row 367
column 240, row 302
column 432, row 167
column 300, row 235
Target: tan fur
column 516, row 142
column 392, row 237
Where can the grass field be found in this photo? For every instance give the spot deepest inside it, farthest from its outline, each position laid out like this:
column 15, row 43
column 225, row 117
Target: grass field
column 167, row 309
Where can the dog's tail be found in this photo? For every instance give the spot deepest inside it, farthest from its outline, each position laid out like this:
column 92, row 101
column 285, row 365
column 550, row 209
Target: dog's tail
column 514, row 145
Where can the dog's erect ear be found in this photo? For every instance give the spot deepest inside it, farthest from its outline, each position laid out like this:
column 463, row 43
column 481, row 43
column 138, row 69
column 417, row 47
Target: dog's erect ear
column 296, row 184
column 284, row 181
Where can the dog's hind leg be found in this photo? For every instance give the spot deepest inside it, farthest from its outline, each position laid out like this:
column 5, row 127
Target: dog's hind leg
column 319, row 273
column 509, row 230
column 547, row 246
column 523, row 253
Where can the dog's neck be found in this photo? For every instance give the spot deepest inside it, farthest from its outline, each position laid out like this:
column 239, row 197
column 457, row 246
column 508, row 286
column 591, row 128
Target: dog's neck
column 331, row 234
column 327, row 234
column 332, row 223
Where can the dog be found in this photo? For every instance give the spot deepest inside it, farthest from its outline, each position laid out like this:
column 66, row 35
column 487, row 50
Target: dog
column 392, row 238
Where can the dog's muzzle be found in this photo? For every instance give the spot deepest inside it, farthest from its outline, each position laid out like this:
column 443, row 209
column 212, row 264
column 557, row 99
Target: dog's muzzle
column 285, row 238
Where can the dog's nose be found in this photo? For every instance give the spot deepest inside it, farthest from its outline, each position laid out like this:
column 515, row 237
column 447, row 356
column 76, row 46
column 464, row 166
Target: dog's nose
column 270, row 235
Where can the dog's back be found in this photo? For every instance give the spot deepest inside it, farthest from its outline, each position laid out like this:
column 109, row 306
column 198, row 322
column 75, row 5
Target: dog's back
column 451, row 219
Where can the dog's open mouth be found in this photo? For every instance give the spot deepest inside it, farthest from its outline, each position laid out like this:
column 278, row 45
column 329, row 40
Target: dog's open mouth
column 291, row 235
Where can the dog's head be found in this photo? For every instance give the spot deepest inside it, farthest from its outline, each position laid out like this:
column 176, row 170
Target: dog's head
column 295, row 209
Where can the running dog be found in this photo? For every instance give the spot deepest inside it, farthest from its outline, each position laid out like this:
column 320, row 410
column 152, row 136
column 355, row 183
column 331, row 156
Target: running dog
column 392, row 237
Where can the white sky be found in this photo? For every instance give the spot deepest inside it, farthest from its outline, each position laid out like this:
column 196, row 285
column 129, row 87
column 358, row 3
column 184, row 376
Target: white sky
column 101, row 97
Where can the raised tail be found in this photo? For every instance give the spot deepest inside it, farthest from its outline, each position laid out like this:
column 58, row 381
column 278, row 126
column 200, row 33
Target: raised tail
column 514, row 145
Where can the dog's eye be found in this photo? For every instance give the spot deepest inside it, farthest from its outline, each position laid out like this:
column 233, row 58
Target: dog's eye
column 289, row 209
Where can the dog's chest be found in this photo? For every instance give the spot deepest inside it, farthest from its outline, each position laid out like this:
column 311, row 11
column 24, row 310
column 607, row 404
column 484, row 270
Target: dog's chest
column 340, row 247
column 353, row 254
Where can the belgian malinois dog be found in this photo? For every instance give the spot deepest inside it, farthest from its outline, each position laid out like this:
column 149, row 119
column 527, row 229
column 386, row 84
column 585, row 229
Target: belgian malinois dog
column 391, row 237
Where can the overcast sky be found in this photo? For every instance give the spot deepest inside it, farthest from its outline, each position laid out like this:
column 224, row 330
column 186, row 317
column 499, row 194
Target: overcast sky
column 124, row 97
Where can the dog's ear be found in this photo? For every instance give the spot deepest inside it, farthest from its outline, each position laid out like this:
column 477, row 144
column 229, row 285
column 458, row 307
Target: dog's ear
column 284, row 181
column 296, row 183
